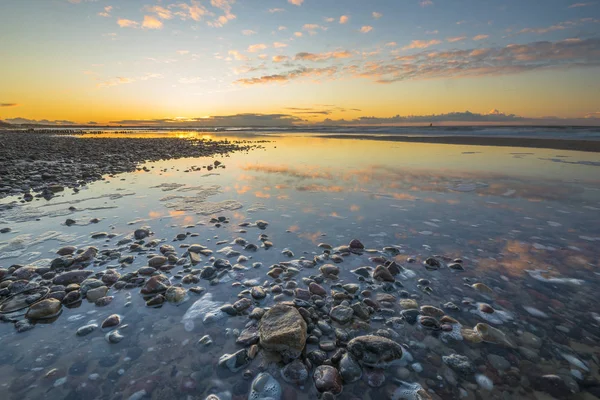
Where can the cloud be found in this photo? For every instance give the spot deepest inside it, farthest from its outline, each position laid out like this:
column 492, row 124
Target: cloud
column 222, row 20
column 455, row 39
column 127, row 23
column 425, row 3
column 312, row 28
column 106, row 12
column 296, row 2
column 493, row 61
column 276, row 10
column 377, row 15
column 318, row 111
column 279, row 45
column 323, row 56
column 237, row 55
column 183, row 52
column 279, row 59
column 254, row 48
column 248, row 119
column 195, row 10
column 466, row 116
column 161, row 12
column 432, row 32
column 593, row 115
column 344, row 19
column 366, row 29
column 560, row 26
column 481, row 37
column 9, row 105
column 391, row 44
column 248, row 32
column 120, row 80
column 281, row 28
column 576, row 5
column 330, row 19
column 421, row 44
column 298, row 34
column 246, row 68
column 290, row 75
column 26, row 121
column 151, row 22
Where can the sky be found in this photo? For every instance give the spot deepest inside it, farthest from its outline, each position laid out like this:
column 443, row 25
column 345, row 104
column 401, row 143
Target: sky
column 282, row 62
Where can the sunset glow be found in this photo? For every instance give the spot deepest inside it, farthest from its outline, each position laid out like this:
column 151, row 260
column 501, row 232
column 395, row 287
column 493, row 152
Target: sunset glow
column 280, row 62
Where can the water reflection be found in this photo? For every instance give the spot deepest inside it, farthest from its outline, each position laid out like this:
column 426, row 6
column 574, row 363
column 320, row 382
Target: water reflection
column 504, row 216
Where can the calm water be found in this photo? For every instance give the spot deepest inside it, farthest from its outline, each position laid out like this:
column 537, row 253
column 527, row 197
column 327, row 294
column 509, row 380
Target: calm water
column 507, row 212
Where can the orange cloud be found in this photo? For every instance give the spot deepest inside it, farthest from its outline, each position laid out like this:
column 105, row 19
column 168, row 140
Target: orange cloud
column 127, row 23
column 344, row 19
column 294, row 228
column 314, row 173
column 366, row 29
column 242, row 189
column 279, row 59
column 151, row 22
column 106, row 12
column 320, row 188
column 296, row 2
column 455, row 39
column 481, row 37
column 312, row 28
column 421, row 44
column 237, row 55
column 256, row 47
column 291, row 75
column 161, row 12
column 322, row 56
column 262, row 195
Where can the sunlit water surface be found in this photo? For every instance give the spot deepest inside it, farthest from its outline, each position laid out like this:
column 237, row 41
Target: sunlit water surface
column 504, row 211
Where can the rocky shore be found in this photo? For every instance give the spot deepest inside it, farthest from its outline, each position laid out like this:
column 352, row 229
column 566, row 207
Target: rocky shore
column 381, row 331
column 42, row 164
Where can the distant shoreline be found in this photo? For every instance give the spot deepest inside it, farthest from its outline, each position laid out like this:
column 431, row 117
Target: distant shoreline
column 538, row 143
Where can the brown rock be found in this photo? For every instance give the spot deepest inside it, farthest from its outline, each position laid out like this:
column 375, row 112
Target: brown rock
column 283, row 330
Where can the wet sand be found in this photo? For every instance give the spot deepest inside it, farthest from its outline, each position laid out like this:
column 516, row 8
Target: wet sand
column 539, row 143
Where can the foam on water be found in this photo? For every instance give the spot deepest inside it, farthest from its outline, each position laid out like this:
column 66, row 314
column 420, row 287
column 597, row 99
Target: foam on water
column 537, row 275
column 18, row 245
column 200, row 310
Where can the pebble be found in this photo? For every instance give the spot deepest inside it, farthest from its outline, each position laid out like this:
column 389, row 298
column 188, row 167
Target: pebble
column 265, row 387
column 111, row 321
column 327, row 379
column 295, row 372
column 114, row 337
column 86, row 329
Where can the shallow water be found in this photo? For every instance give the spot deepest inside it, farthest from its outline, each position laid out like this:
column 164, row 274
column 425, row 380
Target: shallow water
column 504, row 211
